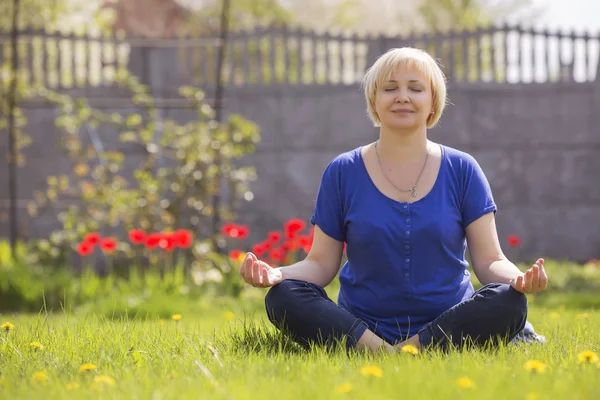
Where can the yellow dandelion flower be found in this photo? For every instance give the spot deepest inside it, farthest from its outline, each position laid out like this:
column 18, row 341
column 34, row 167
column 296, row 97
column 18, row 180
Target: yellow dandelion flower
column 409, row 348
column 39, row 377
column 87, row 367
column 176, row 317
column 532, row 396
column 371, row 370
column 583, row 316
column 103, row 379
column 36, row 346
column 161, row 321
column 344, row 388
column 465, row 383
column 588, row 357
column 554, row 315
column 229, row 316
column 7, row 326
column 72, row 385
column 531, row 298
column 535, row 366
column 172, row 375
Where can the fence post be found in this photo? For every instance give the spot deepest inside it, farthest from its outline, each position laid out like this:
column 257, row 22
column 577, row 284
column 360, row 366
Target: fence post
column 156, row 65
column 381, row 44
column 375, row 49
column 597, row 86
column 12, row 128
column 138, row 63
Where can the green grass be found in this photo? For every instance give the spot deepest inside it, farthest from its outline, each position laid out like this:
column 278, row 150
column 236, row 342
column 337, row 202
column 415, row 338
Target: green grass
column 206, row 356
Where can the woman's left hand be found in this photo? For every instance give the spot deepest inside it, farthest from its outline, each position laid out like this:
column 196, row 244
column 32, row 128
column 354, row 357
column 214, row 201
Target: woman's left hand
column 533, row 281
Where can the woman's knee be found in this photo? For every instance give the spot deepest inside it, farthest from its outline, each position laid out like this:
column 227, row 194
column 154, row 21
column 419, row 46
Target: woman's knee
column 281, row 292
column 282, row 298
column 511, row 303
column 512, row 297
column 504, row 294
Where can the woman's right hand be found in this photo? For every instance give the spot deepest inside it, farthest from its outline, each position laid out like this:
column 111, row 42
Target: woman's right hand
column 258, row 273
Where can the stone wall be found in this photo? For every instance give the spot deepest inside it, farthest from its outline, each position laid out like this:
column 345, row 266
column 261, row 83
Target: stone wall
column 537, row 143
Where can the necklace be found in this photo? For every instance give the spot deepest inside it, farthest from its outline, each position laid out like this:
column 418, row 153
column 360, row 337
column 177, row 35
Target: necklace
column 414, row 188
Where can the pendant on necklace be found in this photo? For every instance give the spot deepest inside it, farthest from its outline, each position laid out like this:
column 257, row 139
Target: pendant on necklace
column 414, row 191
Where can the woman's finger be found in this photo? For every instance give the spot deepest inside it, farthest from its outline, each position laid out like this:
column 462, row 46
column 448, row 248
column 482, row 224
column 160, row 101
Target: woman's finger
column 519, row 283
column 245, row 268
column 543, row 278
column 535, row 277
column 527, row 281
column 253, row 271
column 266, row 278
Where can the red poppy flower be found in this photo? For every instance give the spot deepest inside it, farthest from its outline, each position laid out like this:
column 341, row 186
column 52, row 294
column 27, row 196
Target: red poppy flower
column 137, row 236
column 304, row 240
column 226, row 229
column 167, row 242
column 235, row 255
column 288, row 245
column 183, row 238
column 152, row 240
column 513, row 240
column 85, row 249
column 108, row 245
column 243, row 232
column 235, row 231
column 92, row 238
column 293, row 226
column 259, row 249
column 274, row 236
column 277, row 254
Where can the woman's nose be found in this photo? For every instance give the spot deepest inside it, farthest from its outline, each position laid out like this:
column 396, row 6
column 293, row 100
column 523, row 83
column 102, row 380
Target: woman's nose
column 402, row 97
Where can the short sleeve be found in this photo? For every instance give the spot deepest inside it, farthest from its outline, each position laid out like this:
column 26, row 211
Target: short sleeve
column 477, row 193
column 328, row 211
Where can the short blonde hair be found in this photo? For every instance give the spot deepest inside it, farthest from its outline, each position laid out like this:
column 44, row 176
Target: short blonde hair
column 389, row 62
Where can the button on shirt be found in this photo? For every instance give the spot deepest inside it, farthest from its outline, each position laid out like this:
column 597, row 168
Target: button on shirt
column 406, row 262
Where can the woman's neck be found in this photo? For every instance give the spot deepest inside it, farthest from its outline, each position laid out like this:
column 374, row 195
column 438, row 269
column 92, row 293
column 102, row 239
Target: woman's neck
column 400, row 148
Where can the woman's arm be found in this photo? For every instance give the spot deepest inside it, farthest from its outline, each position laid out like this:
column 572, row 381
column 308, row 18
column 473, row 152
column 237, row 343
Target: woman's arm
column 491, row 265
column 489, row 262
column 322, row 262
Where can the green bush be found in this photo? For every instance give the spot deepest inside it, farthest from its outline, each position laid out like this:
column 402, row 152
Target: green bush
column 31, row 287
column 28, row 287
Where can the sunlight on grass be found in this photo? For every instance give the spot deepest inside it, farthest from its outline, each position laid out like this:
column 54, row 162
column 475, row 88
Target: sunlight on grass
column 221, row 355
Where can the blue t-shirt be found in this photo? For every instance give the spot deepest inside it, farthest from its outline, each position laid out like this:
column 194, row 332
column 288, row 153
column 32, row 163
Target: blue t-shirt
column 406, row 261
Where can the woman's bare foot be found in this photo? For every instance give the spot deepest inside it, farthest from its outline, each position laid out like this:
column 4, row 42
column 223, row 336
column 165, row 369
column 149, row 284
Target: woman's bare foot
column 413, row 341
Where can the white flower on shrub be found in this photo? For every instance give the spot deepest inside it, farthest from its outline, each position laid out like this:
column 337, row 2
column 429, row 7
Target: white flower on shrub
column 201, row 277
column 184, row 289
column 133, row 301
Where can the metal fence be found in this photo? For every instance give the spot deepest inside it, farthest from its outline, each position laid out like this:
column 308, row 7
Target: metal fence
column 500, row 54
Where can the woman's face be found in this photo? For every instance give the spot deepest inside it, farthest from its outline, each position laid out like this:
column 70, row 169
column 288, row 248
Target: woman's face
column 405, row 101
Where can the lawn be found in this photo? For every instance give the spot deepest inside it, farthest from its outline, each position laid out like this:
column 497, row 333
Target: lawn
column 227, row 350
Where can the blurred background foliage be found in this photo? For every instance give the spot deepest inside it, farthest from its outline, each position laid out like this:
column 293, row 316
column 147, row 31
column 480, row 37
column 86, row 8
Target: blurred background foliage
column 172, row 188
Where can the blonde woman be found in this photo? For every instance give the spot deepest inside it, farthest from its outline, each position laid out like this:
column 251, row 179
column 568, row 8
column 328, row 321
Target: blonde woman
column 406, row 207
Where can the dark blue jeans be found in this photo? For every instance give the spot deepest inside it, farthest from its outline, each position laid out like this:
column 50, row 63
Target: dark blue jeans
column 495, row 313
